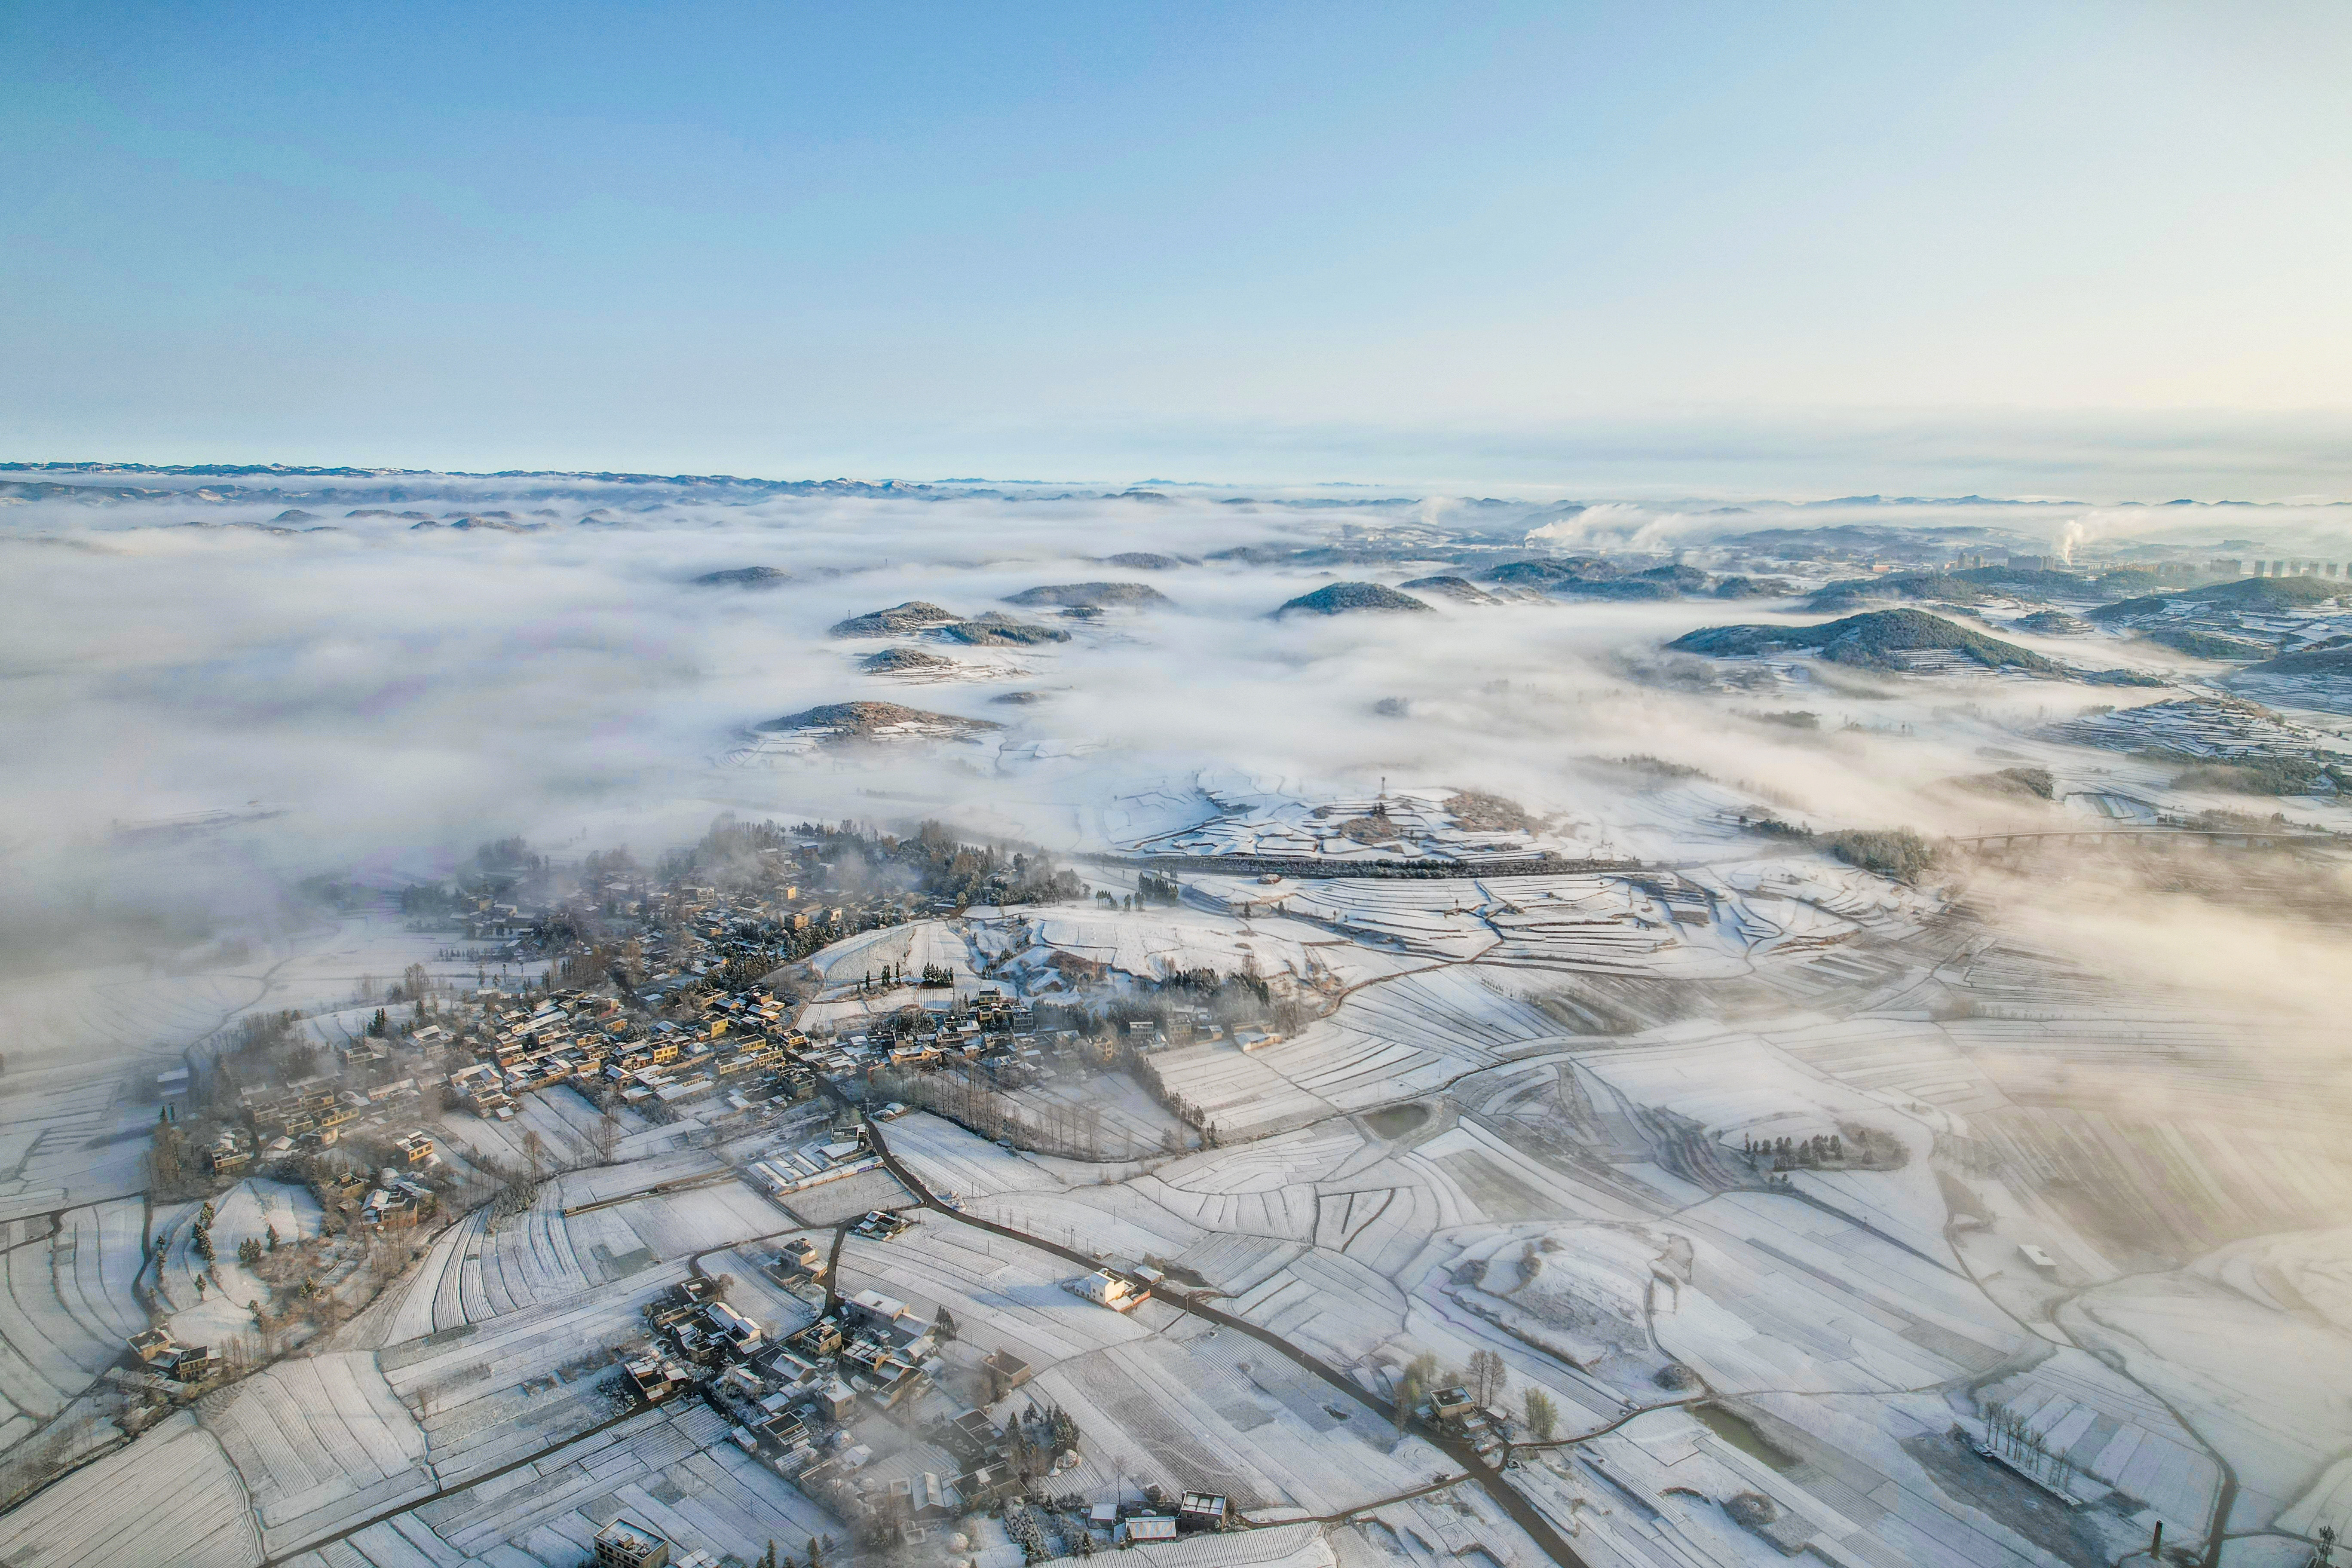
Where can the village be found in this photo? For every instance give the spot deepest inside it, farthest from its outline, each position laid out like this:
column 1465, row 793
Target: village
column 765, row 1167
column 1289, row 1171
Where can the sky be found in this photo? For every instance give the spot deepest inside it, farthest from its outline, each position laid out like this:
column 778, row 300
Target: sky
column 2090, row 251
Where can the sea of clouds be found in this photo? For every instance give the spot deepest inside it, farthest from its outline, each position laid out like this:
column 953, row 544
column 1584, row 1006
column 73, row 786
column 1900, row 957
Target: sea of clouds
column 395, row 695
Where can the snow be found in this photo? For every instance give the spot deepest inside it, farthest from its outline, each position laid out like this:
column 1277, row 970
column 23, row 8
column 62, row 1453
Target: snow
column 2112, row 1430
column 1737, row 1087
column 171, row 1497
column 948, row 1158
column 69, row 1307
column 245, row 1212
column 67, row 1141
column 1783, row 1297
column 320, row 1441
column 2267, row 1387
column 1154, row 945
column 908, row 947
column 1222, row 811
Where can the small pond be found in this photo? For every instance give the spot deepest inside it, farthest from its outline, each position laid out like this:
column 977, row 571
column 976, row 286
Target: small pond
column 1741, row 1434
column 1397, row 1119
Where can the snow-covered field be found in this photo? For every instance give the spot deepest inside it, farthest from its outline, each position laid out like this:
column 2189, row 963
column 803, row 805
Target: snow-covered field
column 1482, row 1115
column 171, row 1497
column 69, row 1307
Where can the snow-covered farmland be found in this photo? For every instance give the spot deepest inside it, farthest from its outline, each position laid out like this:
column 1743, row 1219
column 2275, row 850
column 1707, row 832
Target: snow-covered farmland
column 618, row 1226
column 69, row 1306
column 320, row 1441
column 171, row 1497
column 68, row 1139
column 1150, row 945
column 1781, row 1296
column 2263, row 1374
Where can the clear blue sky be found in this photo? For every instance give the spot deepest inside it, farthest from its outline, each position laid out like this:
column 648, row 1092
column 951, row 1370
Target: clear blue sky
column 1802, row 248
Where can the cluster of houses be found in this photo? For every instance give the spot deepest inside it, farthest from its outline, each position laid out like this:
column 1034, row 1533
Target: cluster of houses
column 398, row 1200
column 795, row 1403
column 1155, row 1519
column 166, row 1357
column 740, row 1047
column 992, row 1030
column 998, row 1034
column 314, row 1112
column 689, row 931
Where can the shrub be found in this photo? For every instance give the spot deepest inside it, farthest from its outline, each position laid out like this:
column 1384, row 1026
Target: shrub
column 1897, row 852
column 2262, row 775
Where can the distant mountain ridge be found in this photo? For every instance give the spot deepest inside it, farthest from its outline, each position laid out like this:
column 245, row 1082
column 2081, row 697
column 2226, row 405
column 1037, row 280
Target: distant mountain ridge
column 958, row 489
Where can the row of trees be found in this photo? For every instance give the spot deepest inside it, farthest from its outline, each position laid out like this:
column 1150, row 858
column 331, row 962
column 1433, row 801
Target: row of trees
column 251, row 1250
column 1786, row 1154
column 820, row 1549
column 963, row 1095
column 1150, row 887
column 2016, row 1440
column 1146, row 1071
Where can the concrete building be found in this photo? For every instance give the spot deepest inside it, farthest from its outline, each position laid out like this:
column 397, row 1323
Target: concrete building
column 625, row 1543
column 1105, row 1289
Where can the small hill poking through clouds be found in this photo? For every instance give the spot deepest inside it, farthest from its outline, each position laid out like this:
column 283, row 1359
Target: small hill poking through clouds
column 1457, row 588
column 919, row 617
column 2052, row 623
column 908, row 661
column 1873, row 640
column 745, row 577
column 840, row 723
column 2251, row 596
column 1098, row 596
column 1342, row 598
column 2327, row 661
column 898, row 620
column 2265, row 593
column 996, row 629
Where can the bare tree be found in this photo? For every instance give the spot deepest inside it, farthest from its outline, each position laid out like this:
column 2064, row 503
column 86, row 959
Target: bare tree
column 1488, row 1377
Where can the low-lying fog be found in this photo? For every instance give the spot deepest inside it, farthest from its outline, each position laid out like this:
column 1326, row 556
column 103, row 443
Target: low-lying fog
column 393, row 695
